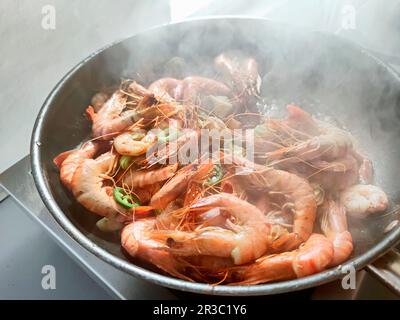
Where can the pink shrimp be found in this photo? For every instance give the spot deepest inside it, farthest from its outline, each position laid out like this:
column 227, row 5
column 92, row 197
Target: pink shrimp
column 115, row 116
column 128, row 145
column 145, row 193
column 334, row 226
column 136, row 241
column 362, row 200
column 231, row 184
column 332, row 143
column 298, row 198
column 312, row 257
column 168, row 89
column 69, row 161
column 338, row 174
column 89, row 189
column 134, row 178
column 366, row 169
column 195, row 86
column 301, row 120
column 167, row 218
column 246, row 239
column 197, row 183
column 111, row 119
column 98, row 100
column 240, row 71
column 173, row 188
column 174, row 151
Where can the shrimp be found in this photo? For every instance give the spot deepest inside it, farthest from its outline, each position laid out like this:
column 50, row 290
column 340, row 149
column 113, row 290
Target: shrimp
column 362, row 200
column 173, row 188
column 246, row 240
column 273, row 215
column 312, row 257
column 201, row 267
column 262, row 202
column 69, row 161
column 231, row 184
column 137, row 243
column 338, row 174
column 145, row 193
column 168, row 89
column 196, row 184
column 335, row 180
column 334, row 226
column 195, row 86
column 167, row 219
column 126, row 144
column 206, row 264
column 174, row 150
column 240, row 71
column 151, row 108
column 115, row 116
column 298, row 198
column 331, row 144
column 366, row 169
column 98, row 100
column 275, row 134
column 111, row 119
column 91, row 192
column 134, row 178
column 212, row 218
column 273, row 219
column 301, row 120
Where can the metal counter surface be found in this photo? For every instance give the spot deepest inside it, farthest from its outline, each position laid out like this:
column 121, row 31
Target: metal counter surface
column 23, row 233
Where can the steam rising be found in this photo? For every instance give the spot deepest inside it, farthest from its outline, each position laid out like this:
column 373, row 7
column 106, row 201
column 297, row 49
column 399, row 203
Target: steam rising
column 325, row 75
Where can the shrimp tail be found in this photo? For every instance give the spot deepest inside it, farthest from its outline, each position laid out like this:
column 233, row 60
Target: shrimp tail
column 91, row 114
column 334, row 225
column 58, row 160
column 313, row 257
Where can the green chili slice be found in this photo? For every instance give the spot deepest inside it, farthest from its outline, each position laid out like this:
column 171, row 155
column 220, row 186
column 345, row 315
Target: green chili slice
column 165, row 136
column 137, row 135
column 216, row 175
column 126, row 200
column 125, row 162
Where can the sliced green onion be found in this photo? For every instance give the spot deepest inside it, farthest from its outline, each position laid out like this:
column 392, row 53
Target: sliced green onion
column 126, row 200
column 137, row 135
column 165, row 136
column 125, row 162
column 216, row 176
column 108, row 225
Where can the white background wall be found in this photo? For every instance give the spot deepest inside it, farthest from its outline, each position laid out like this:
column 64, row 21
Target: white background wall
column 32, row 59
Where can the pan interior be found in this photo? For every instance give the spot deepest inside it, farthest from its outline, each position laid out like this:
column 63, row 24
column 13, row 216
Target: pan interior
column 323, row 74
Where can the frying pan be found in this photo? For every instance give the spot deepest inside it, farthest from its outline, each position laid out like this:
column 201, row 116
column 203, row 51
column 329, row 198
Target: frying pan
column 325, row 74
